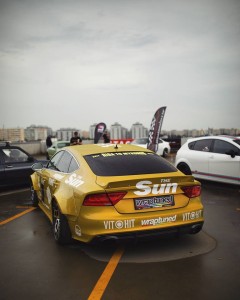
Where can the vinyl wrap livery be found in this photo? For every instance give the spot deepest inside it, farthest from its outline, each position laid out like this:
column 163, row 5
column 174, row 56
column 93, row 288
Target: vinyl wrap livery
column 101, row 200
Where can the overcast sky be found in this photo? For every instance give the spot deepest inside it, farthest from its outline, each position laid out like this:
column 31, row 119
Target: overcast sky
column 75, row 63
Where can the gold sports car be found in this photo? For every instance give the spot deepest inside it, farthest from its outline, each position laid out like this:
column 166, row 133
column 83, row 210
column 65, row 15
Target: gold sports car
column 104, row 192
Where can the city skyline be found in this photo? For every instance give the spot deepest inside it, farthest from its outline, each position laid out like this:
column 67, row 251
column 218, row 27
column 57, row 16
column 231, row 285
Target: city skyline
column 116, row 123
column 75, row 63
column 116, row 132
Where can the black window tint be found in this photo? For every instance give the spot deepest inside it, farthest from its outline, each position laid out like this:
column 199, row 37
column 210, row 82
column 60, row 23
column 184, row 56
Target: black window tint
column 73, row 166
column 224, row 147
column 191, row 145
column 128, row 163
column 237, row 141
column 64, row 162
column 203, row 145
column 54, row 160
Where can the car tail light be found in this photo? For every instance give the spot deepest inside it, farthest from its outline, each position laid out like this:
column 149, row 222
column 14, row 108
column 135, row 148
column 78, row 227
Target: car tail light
column 192, row 191
column 105, row 199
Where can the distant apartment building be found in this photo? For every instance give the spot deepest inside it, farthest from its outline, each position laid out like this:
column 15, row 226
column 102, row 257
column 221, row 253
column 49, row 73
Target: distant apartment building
column 36, row 133
column 138, row 131
column 12, row 134
column 118, row 132
column 65, row 134
column 85, row 134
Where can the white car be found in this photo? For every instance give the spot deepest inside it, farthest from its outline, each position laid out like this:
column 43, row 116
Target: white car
column 215, row 158
column 163, row 147
column 57, row 145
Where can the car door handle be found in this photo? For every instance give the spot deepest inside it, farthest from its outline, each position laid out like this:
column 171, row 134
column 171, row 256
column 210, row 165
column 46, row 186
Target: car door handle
column 211, row 156
column 9, row 166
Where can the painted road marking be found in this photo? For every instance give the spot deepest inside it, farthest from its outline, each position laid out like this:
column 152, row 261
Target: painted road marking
column 13, row 192
column 17, row 216
column 106, row 275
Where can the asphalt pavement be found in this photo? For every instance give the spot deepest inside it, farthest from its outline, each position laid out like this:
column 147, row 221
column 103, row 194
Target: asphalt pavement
column 202, row 266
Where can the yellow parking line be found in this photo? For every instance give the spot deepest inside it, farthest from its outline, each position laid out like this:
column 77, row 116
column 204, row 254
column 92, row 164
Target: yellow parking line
column 17, row 216
column 106, row 275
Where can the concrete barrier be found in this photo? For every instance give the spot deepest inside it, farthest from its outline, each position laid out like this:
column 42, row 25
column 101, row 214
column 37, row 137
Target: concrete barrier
column 38, row 147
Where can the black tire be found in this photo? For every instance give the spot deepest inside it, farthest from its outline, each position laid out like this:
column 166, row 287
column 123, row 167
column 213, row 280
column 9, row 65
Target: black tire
column 61, row 230
column 34, row 197
column 184, row 168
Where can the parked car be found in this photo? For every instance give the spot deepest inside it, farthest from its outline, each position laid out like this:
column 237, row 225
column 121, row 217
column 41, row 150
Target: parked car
column 163, row 147
column 215, row 158
column 15, row 165
column 100, row 192
column 57, row 145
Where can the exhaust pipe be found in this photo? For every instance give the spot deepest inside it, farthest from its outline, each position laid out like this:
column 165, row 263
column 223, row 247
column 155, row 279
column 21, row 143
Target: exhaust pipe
column 196, row 228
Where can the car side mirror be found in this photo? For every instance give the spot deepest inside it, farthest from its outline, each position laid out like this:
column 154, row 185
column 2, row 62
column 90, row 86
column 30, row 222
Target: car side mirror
column 37, row 166
column 30, row 159
column 231, row 153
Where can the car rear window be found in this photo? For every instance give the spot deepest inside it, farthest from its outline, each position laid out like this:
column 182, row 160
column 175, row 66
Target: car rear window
column 128, row 163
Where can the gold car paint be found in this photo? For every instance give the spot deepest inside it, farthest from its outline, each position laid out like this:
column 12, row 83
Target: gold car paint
column 53, row 191
column 126, row 205
column 102, row 220
column 113, row 182
column 87, row 221
column 68, row 198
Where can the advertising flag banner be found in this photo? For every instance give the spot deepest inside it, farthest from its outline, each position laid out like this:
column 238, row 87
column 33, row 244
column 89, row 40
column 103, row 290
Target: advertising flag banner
column 155, row 129
column 99, row 130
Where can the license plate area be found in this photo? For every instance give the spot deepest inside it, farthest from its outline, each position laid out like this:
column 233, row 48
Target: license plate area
column 154, row 202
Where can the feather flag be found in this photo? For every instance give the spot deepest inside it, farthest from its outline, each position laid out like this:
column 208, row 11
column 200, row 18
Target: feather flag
column 155, row 129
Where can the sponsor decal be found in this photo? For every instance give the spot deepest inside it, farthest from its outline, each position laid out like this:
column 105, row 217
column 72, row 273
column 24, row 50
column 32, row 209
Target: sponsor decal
column 58, row 176
column 51, row 181
column 74, row 180
column 158, row 221
column 192, row 215
column 120, row 224
column 78, row 230
column 49, row 196
column 144, row 188
column 110, row 154
column 154, row 202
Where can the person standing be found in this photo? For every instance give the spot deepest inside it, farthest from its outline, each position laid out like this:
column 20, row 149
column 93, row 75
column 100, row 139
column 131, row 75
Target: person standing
column 106, row 137
column 75, row 140
column 49, row 141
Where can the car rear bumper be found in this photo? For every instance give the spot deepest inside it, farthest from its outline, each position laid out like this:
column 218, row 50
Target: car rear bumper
column 99, row 223
column 149, row 234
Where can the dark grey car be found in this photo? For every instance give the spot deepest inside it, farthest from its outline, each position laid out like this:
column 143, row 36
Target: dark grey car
column 15, row 165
